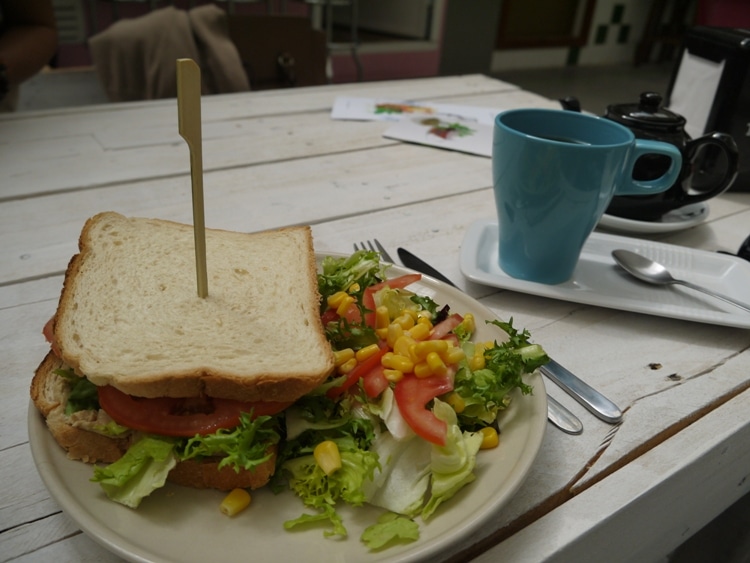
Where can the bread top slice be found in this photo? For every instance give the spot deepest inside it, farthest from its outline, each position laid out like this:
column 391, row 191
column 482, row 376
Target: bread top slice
column 130, row 316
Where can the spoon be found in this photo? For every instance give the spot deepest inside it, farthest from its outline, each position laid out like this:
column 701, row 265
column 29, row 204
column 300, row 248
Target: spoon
column 649, row 271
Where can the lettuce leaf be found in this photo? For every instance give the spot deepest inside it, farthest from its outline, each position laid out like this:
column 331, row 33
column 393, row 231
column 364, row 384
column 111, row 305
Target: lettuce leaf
column 401, row 482
column 390, row 527
column 339, row 274
column 146, row 464
column 297, row 468
column 320, row 491
column 83, row 394
column 354, row 275
column 453, row 464
column 244, row 447
column 485, row 391
column 142, row 470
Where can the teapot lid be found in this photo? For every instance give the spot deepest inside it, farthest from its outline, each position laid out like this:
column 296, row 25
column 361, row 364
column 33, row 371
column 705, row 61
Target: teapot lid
column 646, row 114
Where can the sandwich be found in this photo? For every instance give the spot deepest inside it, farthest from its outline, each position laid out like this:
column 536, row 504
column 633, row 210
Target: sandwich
column 144, row 371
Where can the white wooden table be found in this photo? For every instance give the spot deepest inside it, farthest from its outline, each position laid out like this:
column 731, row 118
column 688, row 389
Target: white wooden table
column 631, row 492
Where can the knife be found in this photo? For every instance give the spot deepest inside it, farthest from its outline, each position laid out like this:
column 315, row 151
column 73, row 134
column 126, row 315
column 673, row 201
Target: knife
column 589, row 397
column 582, row 392
column 557, row 414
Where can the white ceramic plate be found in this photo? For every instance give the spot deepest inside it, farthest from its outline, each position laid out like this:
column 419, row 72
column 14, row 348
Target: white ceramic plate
column 185, row 525
column 677, row 220
column 598, row 281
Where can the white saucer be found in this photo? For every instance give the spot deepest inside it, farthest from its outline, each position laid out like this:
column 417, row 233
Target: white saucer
column 598, row 281
column 676, row 220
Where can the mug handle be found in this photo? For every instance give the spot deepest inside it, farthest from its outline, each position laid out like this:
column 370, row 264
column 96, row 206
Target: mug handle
column 643, row 147
column 729, row 147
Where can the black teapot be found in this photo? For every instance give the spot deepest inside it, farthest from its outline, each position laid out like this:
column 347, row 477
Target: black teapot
column 709, row 162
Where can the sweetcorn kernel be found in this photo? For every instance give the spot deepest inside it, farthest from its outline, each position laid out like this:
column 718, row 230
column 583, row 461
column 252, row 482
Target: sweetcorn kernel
column 457, row 402
column 393, row 375
column 422, row 349
column 348, row 365
column 394, row 332
column 403, row 346
column 367, row 352
column 419, row 331
column 235, row 502
column 397, row 361
column 327, row 456
column 344, row 305
column 342, row 356
column 469, row 322
column 436, row 364
column 335, row 300
column 476, row 362
column 453, row 355
column 405, row 320
column 382, row 317
column 490, row 438
column 422, row 370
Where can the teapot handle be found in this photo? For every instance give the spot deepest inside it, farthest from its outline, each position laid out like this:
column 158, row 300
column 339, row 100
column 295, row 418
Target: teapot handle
column 728, row 146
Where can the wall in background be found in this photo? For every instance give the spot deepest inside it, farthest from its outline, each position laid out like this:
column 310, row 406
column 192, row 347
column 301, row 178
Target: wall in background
column 616, row 29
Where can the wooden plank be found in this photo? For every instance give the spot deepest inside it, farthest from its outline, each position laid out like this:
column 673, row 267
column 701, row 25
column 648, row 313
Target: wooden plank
column 280, row 138
column 88, row 120
column 243, row 199
column 642, row 512
column 25, row 498
column 55, row 538
column 27, row 539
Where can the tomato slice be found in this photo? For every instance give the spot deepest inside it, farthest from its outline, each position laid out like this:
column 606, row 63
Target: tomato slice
column 412, row 395
column 359, row 371
column 185, row 418
column 50, row 337
column 368, row 298
column 374, row 381
column 443, row 328
column 329, row 316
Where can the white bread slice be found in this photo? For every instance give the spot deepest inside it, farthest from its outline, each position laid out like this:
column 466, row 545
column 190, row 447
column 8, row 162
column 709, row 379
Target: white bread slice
column 74, row 433
column 130, row 315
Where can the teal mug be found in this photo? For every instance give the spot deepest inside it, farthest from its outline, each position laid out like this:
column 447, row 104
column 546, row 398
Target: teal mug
column 554, row 174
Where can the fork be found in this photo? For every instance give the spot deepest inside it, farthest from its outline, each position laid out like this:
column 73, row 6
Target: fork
column 376, row 248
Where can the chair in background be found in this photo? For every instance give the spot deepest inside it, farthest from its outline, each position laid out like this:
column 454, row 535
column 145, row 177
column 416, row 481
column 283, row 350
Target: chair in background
column 279, row 51
column 322, row 15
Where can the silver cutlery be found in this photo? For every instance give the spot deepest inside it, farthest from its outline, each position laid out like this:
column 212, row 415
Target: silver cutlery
column 561, row 417
column 376, row 248
column 590, row 398
column 652, row 272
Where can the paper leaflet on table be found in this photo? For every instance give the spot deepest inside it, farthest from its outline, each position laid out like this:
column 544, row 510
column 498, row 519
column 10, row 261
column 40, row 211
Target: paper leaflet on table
column 445, row 132
column 384, row 109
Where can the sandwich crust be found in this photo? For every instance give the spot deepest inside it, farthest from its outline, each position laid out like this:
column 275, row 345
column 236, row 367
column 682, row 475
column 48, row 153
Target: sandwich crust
column 75, row 434
column 129, row 314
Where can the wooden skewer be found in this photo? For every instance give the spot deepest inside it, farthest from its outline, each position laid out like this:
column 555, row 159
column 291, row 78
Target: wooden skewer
column 189, row 113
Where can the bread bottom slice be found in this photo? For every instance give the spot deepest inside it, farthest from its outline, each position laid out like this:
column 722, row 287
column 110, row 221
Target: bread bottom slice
column 75, row 434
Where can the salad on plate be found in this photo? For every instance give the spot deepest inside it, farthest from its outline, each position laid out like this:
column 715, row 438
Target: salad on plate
column 413, row 401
